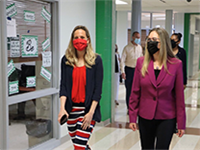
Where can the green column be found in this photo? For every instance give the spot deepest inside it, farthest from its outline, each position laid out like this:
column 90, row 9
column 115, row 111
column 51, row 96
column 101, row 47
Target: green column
column 104, row 48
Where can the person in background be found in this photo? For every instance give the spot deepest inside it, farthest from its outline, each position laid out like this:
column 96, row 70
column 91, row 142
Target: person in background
column 117, row 74
column 130, row 54
column 157, row 95
column 80, row 87
column 180, row 53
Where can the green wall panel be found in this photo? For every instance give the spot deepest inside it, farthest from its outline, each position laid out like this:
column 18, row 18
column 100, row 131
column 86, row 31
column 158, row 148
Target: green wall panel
column 104, row 48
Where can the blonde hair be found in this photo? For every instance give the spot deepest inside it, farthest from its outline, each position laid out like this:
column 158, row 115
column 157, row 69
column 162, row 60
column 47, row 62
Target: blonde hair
column 165, row 52
column 71, row 52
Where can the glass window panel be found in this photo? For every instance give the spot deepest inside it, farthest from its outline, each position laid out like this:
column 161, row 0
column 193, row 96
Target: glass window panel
column 28, row 70
column 30, row 123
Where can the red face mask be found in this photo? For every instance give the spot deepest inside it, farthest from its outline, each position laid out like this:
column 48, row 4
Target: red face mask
column 80, row 44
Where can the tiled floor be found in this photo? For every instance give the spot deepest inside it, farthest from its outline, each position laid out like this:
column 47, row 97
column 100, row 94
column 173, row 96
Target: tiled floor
column 117, row 136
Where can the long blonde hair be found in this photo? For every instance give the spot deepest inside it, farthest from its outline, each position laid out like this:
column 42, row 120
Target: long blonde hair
column 71, row 52
column 165, row 52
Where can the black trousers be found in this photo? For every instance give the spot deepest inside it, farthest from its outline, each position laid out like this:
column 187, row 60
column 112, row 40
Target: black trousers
column 156, row 134
column 128, row 82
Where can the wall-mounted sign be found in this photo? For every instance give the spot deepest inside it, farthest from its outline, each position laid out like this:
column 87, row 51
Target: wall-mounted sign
column 10, row 68
column 30, row 81
column 46, row 15
column 45, row 44
column 45, row 73
column 11, row 28
column 14, row 46
column 29, row 46
column 29, row 16
column 46, row 59
column 11, row 10
column 13, row 87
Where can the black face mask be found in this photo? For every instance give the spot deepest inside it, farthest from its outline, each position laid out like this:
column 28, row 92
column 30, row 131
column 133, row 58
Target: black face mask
column 173, row 43
column 152, row 47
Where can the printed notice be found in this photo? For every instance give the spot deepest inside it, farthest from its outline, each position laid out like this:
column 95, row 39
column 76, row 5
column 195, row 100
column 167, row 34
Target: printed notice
column 29, row 46
column 11, row 10
column 10, row 68
column 13, row 87
column 45, row 73
column 29, row 16
column 46, row 15
column 30, row 81
column 45, row 44
column 14, row 47
column 46, row 59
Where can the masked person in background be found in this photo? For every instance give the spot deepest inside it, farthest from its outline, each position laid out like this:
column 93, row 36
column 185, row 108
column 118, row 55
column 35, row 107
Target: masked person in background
column 130, row 54
column 157, row 95
column 80, row 87
column 180, row 53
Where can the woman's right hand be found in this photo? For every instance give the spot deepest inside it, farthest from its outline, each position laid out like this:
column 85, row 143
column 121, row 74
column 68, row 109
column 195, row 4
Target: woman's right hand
column 61, row 113
column 133, row 126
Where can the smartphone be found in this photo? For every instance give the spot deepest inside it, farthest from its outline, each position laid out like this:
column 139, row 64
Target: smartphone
column 63, row 119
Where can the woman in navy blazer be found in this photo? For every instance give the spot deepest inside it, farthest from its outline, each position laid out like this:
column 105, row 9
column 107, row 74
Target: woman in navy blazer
column 157, row 96
column 80, row 87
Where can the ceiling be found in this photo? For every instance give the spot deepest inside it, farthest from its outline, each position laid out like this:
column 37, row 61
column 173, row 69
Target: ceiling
column 162, row 5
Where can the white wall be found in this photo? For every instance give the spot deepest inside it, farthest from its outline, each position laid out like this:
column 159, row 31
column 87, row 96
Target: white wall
column 179, row 25
column 73, row 13
column 122, row 30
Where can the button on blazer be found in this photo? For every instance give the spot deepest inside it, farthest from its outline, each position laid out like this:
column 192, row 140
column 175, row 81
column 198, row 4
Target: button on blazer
column 158, row 99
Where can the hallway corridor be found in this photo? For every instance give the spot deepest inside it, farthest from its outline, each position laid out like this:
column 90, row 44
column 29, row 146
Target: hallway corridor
column 118, row 136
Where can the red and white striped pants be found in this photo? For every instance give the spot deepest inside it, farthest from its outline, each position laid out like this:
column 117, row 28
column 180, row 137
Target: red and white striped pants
column 79, row 136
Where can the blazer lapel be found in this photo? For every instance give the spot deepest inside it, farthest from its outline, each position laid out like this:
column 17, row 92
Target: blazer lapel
column 151, row 73
column 161, row 75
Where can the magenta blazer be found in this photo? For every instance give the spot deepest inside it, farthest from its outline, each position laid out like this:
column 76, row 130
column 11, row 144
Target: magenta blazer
column 158, row 99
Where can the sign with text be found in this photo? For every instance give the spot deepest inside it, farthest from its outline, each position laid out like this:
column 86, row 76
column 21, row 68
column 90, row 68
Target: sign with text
column 46, row 59
column 45, row 73
column 29, row 16
column 14, row 47
column 10, row 68
column 13, row 87
column 11, row 10
column 30, row 81
column 29, row 46
column 46, row 15
column 45, row 44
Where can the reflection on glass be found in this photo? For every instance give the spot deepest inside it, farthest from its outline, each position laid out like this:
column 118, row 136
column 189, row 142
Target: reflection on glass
column 30, row 123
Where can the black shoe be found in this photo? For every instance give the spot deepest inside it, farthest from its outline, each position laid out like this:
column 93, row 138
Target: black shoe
column 88, row 148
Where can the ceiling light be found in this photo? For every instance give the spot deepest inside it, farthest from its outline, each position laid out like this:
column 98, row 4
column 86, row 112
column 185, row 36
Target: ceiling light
column 119, row 2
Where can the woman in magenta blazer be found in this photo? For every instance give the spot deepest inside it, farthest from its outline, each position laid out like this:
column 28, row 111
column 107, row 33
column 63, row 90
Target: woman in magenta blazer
column 157, row 96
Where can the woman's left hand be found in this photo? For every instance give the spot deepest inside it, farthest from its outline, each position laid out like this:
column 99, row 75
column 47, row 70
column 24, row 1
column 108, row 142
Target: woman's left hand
column 87, row 120
column 180, row 132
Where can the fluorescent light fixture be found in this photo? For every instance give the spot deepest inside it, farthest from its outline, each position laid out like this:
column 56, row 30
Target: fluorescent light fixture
column 119, row 2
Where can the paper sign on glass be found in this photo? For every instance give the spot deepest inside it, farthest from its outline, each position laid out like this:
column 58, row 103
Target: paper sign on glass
column 14, row 47
column 29, row 46
column 29, row 16
column 46, row 15
column 11, row 10
column 45, row 44
column 45, row 73
column 30, row 81
column 46, row 59
column 13, row 87
column 10, row 68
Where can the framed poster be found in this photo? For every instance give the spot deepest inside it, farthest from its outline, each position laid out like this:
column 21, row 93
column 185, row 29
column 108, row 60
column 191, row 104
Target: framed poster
column 29, row 45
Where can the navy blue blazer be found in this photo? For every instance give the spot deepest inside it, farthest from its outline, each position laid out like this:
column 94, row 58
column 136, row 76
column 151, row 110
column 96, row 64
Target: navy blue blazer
column 182, row 56
column 94, row 79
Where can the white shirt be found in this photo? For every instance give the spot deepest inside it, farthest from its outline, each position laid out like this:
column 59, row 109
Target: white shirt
column 130, row 55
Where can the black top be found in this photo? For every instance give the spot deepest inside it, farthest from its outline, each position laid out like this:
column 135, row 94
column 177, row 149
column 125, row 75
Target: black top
column 156, row 71
column 116, row 64
column 182, row 56
column 94, row 79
